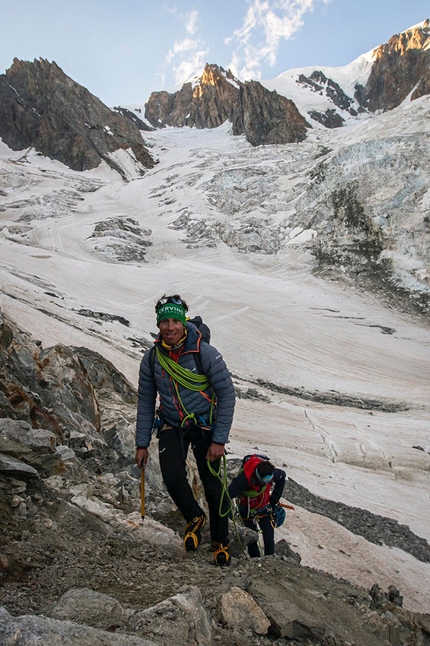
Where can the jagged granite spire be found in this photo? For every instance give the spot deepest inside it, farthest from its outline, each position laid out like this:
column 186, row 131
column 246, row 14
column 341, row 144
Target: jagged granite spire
column 41, row 107
column 263, row 116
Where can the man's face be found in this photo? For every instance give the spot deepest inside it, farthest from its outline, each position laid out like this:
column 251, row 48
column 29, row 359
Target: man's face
column 171, row 331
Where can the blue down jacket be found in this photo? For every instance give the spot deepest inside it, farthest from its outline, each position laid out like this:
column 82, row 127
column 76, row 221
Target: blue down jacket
column 153, row 379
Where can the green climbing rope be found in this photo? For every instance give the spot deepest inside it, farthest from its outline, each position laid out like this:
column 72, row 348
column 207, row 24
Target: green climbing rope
column 222, row 477
column 221, row 474
column 188, row 379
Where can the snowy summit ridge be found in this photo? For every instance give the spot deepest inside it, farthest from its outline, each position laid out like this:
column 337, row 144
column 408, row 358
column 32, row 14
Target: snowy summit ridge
column 378, row 80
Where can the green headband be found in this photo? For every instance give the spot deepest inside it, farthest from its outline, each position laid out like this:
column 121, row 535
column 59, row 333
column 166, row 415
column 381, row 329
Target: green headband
column 171, row 311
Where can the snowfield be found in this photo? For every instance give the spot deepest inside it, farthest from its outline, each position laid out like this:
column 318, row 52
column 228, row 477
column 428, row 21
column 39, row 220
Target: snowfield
column 332, row 384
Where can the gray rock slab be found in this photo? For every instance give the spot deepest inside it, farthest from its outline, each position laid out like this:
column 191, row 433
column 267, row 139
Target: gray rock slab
column 28, row 630
column 11, row 466
column 21, row 434
column 305, row 613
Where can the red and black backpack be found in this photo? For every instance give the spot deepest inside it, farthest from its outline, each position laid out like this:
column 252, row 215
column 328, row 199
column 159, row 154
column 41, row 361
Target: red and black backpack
column 257, row 495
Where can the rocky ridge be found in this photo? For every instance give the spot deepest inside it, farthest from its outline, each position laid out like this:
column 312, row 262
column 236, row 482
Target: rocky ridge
column 66, row 451
column 264, row 117
column 398, row 69
column 43, row 108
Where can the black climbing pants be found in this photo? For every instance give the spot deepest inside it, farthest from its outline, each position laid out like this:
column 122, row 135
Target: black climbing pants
column 268, row 536
column 173, row 449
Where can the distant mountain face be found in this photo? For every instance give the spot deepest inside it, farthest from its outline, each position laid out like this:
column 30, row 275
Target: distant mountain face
column 208, row 104
column 263, row 116
column 43, row 108
column 279, row 111
column 400, row 67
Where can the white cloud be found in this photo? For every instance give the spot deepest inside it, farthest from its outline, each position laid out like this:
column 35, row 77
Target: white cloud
column 191, row 23
column 187, row 57
column 266, row 23
column 190, row 67
column 181, row 46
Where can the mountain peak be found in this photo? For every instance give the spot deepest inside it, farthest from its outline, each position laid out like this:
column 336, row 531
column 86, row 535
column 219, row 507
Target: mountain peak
column 214, row 74
column 401, row 67
column 42, row 107
column 414, row 38
column 217, row 96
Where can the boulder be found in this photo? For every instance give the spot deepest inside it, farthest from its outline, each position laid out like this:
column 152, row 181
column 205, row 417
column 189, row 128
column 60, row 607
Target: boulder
column 241, row 537
column 29, row 629
column 160, row 537
column 85, row 606
column 239, row 610
column 181, row 620
column 283, row 548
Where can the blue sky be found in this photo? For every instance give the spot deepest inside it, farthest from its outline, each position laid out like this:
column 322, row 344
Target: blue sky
column 122, row 50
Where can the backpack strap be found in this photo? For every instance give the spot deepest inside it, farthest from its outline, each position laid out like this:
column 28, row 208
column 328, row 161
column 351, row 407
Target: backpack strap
column 152, row 359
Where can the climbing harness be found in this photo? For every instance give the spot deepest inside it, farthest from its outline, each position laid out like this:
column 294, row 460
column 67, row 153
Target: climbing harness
column 251, row 497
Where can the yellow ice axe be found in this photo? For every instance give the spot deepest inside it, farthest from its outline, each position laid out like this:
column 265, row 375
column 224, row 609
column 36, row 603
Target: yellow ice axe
column 142, row 492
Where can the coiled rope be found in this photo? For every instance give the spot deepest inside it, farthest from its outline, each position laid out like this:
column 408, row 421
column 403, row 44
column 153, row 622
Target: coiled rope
column 188, row 379
column 221, row 474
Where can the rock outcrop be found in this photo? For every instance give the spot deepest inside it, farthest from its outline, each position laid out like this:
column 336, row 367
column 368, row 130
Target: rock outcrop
column 134, row 118
column 395, row 71
column 330, row 118
column 264, row 117
column 267, row 117
column 400, row 67
column 319, row 83
column 43, row 108
column 207, row 104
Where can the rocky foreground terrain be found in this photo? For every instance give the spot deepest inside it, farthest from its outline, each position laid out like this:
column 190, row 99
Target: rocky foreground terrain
column 79, row 566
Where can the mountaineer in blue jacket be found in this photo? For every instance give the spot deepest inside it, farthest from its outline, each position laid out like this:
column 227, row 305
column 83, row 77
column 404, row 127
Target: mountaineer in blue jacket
column 196, row 405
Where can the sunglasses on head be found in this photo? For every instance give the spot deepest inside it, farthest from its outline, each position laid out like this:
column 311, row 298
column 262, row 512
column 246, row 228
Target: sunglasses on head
column 176, row 299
